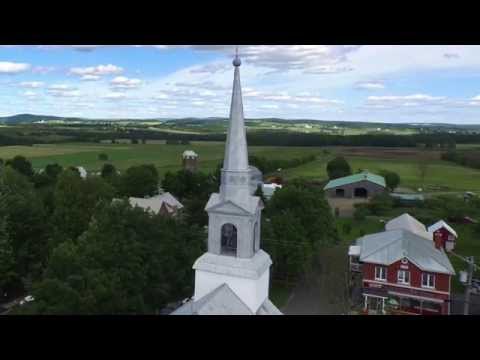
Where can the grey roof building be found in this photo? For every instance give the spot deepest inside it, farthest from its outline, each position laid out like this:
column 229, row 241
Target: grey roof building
column 232, row 277
column 390, row 246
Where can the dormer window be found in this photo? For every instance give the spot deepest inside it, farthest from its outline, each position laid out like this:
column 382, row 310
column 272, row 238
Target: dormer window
column 403, row 277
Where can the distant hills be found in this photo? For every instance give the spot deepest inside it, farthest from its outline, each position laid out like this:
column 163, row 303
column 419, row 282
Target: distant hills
column 31, row 118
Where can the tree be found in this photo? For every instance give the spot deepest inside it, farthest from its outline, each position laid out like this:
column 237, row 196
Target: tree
column 338, row 167
column 53, row 170
column 22, row 165
column 185, row 184
column 392, row 179
column 108, row 170
column 27, row 225
column 102, row 157
column 297, row 223
column 8, row 276
column 75, row 200
column 140, row 181
column 127, row 262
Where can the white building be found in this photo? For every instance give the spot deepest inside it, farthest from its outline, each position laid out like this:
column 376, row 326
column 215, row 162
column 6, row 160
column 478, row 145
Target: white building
column 232, row 277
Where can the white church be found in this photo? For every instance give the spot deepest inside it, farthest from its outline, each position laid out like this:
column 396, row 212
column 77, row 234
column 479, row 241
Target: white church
column 232, row 277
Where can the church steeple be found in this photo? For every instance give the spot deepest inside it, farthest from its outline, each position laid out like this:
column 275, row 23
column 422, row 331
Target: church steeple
column 236, row 154
column 234, row 262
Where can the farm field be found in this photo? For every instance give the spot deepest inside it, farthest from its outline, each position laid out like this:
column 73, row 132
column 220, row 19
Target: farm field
column 122, row 156
column 441, row 175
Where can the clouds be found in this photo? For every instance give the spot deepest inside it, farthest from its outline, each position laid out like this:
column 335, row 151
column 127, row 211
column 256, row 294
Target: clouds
column 122, row 82
column 95, row 72
column 11, row 68
column 63, row 91
column 31, row 84
column 369, row 85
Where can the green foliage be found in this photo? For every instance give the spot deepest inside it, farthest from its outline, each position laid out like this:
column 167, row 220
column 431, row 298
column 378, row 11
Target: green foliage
column 338, row 167
column 22, row 165
column 380, row 204
column 140, row 181
column 185, row 184
column 103, row 157
column 392, row 179
column 8, row 275
column 75, row 200
column 269, row 165
column 26, row 223
column 360, row 213
column 127, row 262
column 298, row 221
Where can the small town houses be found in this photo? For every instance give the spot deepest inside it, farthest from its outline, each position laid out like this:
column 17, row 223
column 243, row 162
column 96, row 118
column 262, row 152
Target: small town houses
column 403, row 270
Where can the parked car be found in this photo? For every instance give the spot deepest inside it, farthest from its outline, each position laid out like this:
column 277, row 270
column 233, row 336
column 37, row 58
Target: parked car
column 27, row 299
column 475, row 286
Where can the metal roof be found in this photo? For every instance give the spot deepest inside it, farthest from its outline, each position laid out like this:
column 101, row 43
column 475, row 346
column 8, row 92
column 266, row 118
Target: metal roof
column 363, row 176
column 409, row 223
column 441, row 224
column 223, row 301
column 391, row 246
column 155, row 203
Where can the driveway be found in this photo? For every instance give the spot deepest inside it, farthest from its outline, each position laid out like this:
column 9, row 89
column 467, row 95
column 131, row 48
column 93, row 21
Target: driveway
column 324, row 292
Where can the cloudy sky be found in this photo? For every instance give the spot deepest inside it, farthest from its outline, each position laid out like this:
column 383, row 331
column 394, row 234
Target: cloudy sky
column 335, row 82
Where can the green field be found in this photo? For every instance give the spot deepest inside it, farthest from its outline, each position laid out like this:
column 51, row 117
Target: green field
column 165, row 157
column 442, row 175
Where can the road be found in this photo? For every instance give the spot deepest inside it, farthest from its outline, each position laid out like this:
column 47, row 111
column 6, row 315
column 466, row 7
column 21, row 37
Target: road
column 324, row 291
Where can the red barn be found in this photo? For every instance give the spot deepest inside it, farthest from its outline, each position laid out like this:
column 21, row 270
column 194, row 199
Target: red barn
column 443, row 235
column 403, row 273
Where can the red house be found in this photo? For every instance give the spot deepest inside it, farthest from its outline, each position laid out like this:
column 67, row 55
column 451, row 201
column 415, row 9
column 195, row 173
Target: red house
column 443, row 235
column 402, row 273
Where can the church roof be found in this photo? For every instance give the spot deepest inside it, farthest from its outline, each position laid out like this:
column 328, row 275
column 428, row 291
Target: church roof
column 223, row 301
column 249, row 204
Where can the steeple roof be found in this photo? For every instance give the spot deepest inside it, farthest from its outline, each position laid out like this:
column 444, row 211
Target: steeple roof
column 236, row 153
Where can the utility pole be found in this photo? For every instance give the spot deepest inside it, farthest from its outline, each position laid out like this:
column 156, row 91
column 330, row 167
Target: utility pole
column 468, row 285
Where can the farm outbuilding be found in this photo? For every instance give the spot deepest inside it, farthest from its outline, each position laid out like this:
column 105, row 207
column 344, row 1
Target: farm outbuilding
column 362, row 185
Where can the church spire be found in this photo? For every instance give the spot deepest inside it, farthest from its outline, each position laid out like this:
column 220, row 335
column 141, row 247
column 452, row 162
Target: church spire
column 236, row 153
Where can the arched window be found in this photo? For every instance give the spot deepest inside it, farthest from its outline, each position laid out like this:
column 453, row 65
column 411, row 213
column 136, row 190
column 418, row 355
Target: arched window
column 229, row 240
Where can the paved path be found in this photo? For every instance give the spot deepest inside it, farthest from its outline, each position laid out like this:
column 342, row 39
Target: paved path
column 324, row 292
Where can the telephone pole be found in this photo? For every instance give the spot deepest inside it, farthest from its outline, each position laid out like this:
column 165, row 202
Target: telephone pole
column 468, row 285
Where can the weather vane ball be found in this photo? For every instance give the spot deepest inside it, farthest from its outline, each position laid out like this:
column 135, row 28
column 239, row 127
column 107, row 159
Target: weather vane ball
column 237, row 61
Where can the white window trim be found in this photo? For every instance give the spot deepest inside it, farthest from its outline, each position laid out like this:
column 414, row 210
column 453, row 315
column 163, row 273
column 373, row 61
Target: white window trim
column 402, row 281
column 384, row 272
column 427, row 286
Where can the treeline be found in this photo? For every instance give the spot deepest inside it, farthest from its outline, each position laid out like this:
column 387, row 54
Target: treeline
column 267, row 165
column 470, row 158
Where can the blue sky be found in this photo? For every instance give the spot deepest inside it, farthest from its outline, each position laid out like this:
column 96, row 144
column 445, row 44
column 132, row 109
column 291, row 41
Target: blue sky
column 335, row 82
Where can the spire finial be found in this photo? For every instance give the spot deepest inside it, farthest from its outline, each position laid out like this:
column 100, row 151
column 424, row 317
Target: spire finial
column 237, row 61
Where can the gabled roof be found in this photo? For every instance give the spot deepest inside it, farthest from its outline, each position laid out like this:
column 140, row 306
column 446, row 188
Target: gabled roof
column 391, row 246
column 223, row 301
column 248, row 204
column 409, row 223
column 441, row 224
column 155, row 203
column 363, row 176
